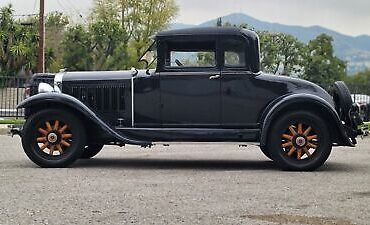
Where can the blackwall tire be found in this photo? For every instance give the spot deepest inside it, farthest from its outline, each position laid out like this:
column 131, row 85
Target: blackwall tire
column 265, row 151
column 293, row 134
column 53, row 138
column 343, row 99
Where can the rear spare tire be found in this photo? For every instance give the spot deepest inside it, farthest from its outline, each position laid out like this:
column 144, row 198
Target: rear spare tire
column 343, row 100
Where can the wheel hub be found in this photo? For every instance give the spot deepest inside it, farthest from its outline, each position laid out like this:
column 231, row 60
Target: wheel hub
column 52, row 138
column 300, row 141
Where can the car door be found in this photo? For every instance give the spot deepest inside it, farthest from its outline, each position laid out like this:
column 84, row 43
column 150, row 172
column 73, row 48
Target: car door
column 190, row 84
column 239, row 96
column 146, row 107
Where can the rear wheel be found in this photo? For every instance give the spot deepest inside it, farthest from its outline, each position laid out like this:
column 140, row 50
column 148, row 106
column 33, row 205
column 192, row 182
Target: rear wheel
column 91, row 150
column 53, row 138
column 300, row 141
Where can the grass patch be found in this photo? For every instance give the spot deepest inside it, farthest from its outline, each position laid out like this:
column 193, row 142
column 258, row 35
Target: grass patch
column 365, row 128
column 12, row 121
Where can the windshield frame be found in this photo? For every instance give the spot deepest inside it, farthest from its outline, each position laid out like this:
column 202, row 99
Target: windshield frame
column 152, row 47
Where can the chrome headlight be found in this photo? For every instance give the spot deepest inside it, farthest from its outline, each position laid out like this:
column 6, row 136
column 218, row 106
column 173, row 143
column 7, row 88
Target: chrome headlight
column 45, row 88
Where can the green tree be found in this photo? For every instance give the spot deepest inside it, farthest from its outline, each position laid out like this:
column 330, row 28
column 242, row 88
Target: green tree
column 55, row 27
column 321, row 66
column 219, row 22
column 118, row 33
column 17, row 44
column 206, row 59
column 281, row 53
column 359, row 83
column 77, row 46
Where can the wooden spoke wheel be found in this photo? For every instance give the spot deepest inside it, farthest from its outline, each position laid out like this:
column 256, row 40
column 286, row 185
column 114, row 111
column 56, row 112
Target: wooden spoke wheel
column 299, row 141
column 53, row 138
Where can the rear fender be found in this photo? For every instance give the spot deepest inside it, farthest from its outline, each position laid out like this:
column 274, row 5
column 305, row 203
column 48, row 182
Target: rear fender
column 297, row 102
column 66, row 100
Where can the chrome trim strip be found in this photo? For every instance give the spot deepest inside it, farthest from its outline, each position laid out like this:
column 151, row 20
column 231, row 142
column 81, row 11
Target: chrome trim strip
column 132, row 103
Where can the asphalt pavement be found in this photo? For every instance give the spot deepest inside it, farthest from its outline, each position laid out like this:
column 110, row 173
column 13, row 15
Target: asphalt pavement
column 184, row 184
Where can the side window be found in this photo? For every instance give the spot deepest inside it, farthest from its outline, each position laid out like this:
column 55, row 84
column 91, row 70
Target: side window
column 181, row 54
column 235, row 53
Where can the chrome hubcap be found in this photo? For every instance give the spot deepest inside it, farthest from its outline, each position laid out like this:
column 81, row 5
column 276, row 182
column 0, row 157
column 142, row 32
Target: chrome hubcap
column 52, row 138
column 300, row 141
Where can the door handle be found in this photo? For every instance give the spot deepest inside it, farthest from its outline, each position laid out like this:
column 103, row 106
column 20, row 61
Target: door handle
column 215, row 77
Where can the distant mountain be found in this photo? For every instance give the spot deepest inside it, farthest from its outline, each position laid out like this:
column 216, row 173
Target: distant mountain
column 354, row 50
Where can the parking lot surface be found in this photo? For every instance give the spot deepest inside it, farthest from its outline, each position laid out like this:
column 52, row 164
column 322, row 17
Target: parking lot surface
column 184, row 184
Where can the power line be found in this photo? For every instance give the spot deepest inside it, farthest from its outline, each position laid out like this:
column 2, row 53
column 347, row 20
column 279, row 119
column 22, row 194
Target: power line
column 61, row 5
column 65, row 7
column 76, row 10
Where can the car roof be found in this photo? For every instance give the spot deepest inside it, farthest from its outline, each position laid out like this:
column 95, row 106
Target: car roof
column 211, row 31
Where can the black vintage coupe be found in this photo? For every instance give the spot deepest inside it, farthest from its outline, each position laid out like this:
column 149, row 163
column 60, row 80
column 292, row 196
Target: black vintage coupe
column 206, row 87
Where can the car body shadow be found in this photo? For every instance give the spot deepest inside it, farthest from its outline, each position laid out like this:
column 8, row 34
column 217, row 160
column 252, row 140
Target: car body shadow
column 199, row 164
column 179, row 164
column 193, row 164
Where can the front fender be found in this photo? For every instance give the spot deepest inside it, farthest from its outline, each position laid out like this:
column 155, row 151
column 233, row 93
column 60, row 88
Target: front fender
column 67, row 100
column 323, row 107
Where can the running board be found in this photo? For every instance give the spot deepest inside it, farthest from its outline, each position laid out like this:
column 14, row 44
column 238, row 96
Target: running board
column 191, row 134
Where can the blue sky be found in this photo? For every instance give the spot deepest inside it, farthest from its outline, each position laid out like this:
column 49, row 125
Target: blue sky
column 346, row 16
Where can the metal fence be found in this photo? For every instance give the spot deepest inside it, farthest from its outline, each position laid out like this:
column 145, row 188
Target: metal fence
column 11, row 93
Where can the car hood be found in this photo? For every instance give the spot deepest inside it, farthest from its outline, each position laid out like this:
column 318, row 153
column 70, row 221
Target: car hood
column 102, row 75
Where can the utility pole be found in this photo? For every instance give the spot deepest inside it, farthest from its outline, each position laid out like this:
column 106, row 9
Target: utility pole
column 41, row 51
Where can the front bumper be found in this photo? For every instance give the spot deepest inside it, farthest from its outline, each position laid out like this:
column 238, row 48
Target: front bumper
column 15, row 131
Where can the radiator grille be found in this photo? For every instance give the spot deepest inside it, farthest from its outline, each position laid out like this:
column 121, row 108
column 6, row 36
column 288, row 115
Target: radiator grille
column 100, row 97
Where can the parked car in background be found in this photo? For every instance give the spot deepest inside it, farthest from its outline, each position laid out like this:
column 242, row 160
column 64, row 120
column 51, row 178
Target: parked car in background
column 205, row 86
column 363, row 102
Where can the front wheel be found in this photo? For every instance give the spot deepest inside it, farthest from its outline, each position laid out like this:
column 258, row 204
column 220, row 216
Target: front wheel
column 299, row 141
column 53, row 138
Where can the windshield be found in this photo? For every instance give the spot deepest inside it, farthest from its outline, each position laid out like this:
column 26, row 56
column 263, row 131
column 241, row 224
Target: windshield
column 150, row 55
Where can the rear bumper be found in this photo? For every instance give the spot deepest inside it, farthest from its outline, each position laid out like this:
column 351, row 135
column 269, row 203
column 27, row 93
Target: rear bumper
column 353, row 129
